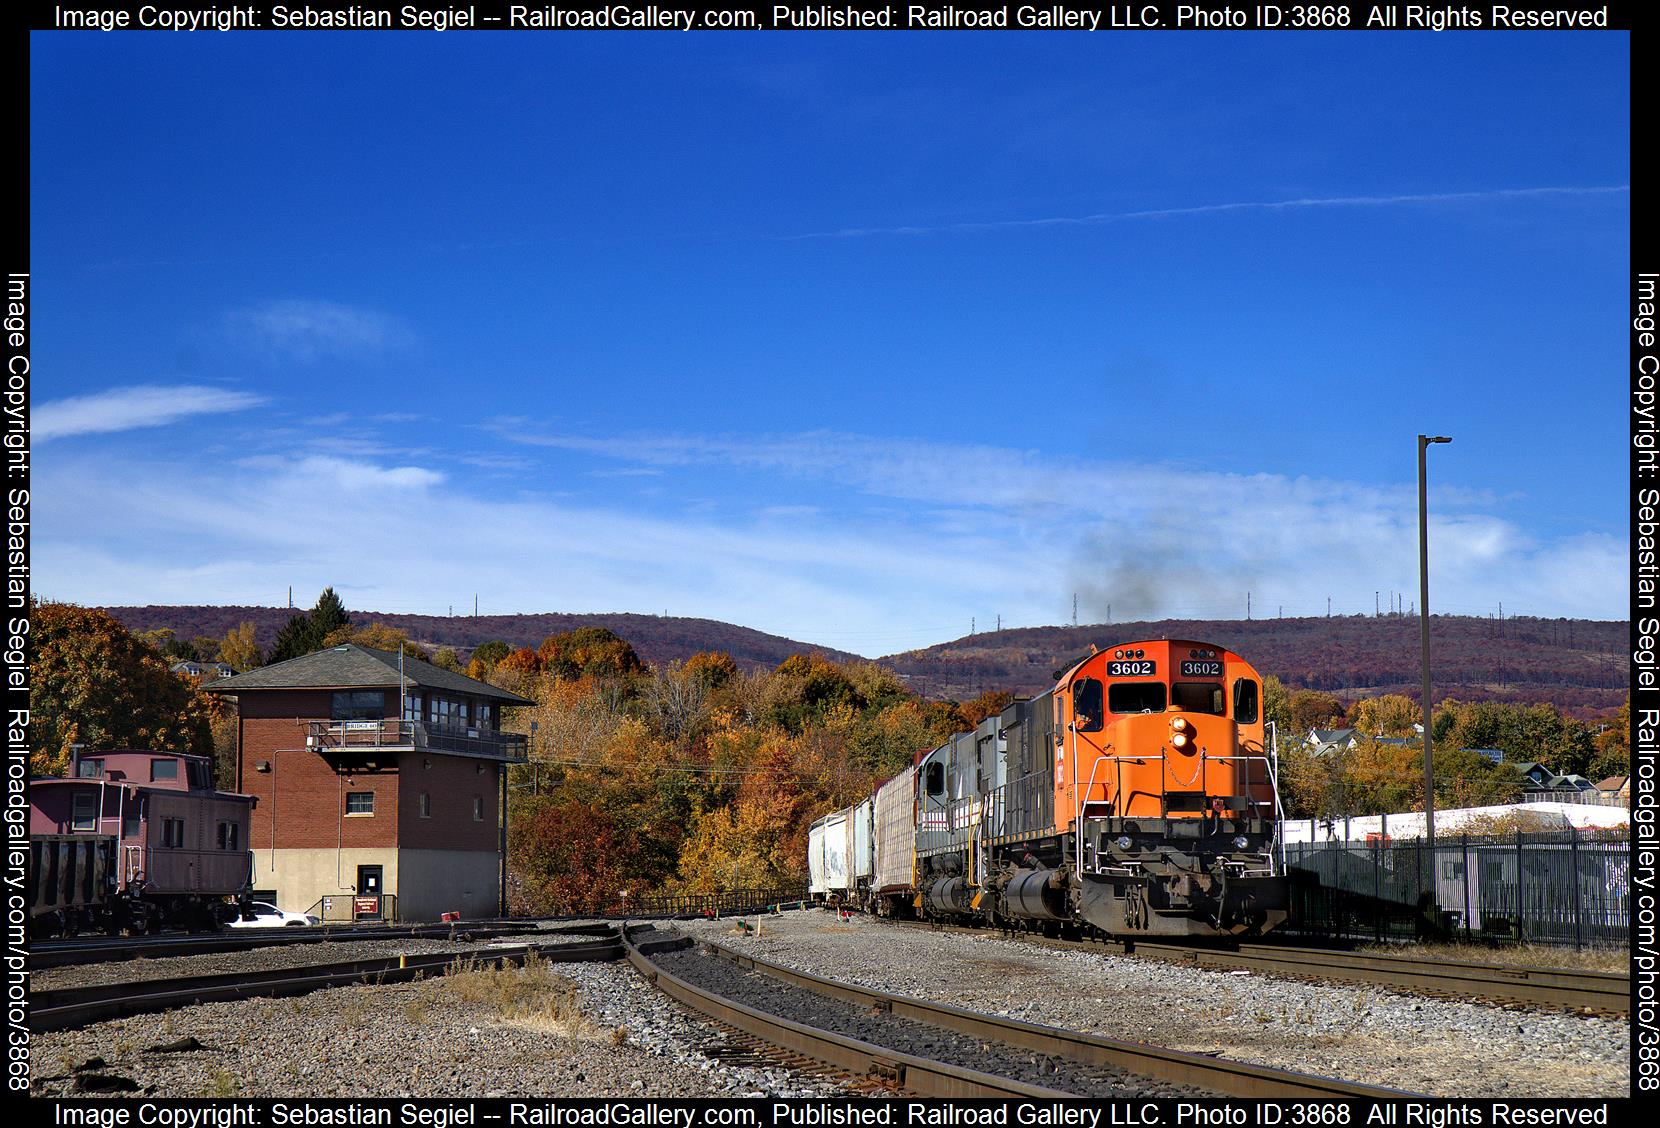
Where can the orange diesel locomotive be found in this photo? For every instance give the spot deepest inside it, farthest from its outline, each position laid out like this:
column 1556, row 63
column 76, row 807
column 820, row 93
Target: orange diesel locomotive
column 1137, row 796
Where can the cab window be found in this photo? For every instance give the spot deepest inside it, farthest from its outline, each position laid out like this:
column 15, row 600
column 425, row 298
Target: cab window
column 1136, row 697
column 1198, row 697
column 1086, row 705
column 935, row 778
column 1245, row 701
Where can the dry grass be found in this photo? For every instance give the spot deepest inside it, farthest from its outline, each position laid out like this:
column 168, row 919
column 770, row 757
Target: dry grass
column 1531, row 955
column 533, row 995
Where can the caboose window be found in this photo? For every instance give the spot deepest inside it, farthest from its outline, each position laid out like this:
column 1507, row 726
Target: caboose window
column 1198, row 697
column 84, row 813
column 1245, row 701
column 163, row 769
column 227, row 836
column 172, row 832
column 90, row 769
column 1136, row 697
column 1086, row 705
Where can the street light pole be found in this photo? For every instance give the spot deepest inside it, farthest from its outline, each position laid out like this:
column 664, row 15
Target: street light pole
column 1423, row 625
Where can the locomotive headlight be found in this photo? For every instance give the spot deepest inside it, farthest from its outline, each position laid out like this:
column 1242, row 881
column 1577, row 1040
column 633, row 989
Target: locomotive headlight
column 1123, row 842
column 1240, row 842
column 1179, row 740
column 1180, row 724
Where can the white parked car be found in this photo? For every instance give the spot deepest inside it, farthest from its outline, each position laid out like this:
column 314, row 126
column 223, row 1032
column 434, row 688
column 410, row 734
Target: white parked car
column 267, row 915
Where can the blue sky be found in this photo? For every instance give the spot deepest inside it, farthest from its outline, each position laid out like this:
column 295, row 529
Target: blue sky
column 848, row 337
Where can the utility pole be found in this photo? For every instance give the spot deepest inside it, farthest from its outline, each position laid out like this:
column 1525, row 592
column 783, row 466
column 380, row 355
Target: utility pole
column 971, row 624
column 291, row 597
column 1074, row 608
column 1424, row 442
column 1247, row 607
column 1328, row 606
column 1377, row 607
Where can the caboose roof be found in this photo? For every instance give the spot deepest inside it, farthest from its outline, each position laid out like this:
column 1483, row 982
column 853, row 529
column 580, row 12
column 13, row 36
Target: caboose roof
column 351, row 666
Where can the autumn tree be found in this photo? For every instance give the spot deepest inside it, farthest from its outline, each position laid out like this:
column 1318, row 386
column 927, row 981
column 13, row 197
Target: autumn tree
column 593, row 651
column 1534, row 732
column 712, row 667
column 1613, row 745
column 677, row 698
column 96, row 685
column 988, row 704
column 1389, row 715
column 376, row 636
column 1276, row 709
column 1311, row 709
column 239, row 649
column 484, row 658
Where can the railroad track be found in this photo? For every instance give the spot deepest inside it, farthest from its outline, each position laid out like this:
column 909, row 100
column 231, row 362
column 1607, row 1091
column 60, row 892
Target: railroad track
column 1598, row 992
column 71, row 1007
column 61, row 953
column 923, row 1076
column 1601, row 992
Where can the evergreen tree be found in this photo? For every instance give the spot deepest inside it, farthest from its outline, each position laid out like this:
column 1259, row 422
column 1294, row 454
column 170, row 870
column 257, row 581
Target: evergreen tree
column 329, row 615
column 305, row 633
column 295, row 639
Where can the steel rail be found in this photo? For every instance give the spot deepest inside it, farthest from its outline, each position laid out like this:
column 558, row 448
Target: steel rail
column 1600, row 991
column 1603, row 991
column 71, row 1007
column 1218, row 1075
column 917, row 1075
column 63, row 953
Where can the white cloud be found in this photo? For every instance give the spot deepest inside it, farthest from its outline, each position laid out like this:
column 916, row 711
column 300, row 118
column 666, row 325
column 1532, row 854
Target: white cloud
column 306, row 329
column 125, row 409
column 948, row 532
column 1304, row 203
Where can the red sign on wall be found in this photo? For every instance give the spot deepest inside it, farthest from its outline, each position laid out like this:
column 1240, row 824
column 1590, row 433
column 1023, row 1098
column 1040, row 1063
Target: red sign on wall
column 365, row 906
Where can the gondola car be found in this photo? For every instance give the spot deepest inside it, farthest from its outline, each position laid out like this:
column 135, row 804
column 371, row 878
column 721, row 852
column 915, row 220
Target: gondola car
column 136, row 841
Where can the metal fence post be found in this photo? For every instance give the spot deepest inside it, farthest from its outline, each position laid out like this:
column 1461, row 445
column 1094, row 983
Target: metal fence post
column 1377, row 890
column 1579, row 908
column 1521, row 887
column 1464, row 868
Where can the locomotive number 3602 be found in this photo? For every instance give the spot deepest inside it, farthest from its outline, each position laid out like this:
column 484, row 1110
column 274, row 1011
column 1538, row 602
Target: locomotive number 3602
column 1140, row 669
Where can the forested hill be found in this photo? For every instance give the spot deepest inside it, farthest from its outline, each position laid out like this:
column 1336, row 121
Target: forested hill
column 1578, row 665
column 656, row 639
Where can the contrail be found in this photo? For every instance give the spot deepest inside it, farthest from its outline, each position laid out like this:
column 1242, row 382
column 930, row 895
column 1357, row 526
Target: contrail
column 1211, row 209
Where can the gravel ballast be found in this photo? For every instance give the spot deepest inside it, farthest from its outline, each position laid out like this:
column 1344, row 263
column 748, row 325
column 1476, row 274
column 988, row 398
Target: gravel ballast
column 906, row 1036
column 1360, row 1033
column 427, row 1038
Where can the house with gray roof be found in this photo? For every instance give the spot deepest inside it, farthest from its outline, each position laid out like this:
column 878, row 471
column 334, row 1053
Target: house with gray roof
column 381, row 782
column 1324, row 742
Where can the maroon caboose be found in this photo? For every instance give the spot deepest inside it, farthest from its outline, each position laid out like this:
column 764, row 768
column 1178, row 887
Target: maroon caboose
column 177, row 853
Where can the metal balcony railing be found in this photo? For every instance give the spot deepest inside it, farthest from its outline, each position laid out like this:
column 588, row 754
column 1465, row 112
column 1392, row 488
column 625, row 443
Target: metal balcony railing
column 419, row 736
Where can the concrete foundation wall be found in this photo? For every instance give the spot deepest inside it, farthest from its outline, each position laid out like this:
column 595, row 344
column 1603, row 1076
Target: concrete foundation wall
column 425, row 882
column 301, row 877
